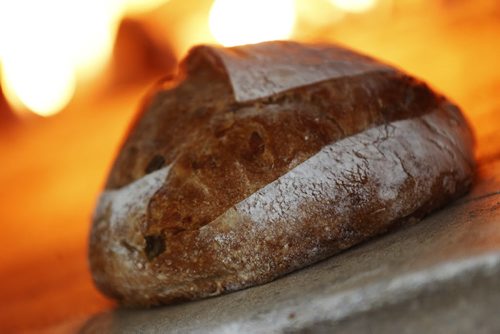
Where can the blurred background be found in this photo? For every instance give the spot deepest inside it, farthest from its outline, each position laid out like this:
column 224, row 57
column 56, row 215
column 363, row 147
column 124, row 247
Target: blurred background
column 73, row 73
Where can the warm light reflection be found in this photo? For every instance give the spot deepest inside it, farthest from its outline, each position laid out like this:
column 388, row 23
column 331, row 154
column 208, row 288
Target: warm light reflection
column 354, row 6
column 236, row 22
column 43, row 84
column 46, row 47
column 141, row 6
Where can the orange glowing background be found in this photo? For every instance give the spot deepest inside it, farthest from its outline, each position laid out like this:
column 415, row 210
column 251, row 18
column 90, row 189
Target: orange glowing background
column 85, row 64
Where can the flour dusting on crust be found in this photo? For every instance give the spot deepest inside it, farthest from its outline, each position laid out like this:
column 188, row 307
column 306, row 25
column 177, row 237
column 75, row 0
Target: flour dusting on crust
column 131, row 200
column 382, row 174
column 261, row 70
column 118, row 219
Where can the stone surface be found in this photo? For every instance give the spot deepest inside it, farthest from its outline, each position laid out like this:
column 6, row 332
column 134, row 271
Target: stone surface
column 440, row 275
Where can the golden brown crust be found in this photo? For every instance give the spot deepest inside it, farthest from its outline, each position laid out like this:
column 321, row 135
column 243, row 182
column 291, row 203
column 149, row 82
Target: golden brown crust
column 212, row 192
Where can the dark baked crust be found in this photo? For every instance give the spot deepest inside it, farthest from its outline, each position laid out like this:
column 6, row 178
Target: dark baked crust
column 212, row 194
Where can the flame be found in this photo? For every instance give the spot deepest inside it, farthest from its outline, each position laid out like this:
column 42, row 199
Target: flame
column 47, row 46
column 354, row 6
column 235, row 22
column 44, row 85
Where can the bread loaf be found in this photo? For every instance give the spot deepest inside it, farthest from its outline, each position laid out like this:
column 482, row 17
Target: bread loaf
column 258, row 160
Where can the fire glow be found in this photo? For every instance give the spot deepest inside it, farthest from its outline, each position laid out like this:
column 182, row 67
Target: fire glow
column 354, row 6
column 236, row 22
column 48, row 50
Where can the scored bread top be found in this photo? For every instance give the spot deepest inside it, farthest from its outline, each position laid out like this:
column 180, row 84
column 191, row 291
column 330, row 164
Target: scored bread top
column 260, row 70
column 220, row 151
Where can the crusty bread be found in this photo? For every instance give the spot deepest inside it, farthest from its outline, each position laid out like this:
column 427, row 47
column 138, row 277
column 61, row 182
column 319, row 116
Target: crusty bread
column 258, row 160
